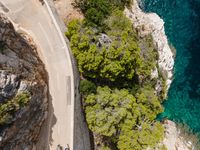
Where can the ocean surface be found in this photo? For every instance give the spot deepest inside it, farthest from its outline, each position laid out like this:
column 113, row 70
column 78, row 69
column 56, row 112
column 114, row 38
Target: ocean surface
column 182, row 27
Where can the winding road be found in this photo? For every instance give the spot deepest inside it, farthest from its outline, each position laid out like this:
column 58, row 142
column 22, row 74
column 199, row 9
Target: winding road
column 38, row 21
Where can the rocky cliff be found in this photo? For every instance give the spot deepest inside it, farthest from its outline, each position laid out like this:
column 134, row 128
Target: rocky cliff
column 23, row 89
column 177, row 138
column 152, row 24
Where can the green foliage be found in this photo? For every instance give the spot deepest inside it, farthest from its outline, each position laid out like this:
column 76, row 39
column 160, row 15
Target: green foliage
column 87, row 87
column 96, row 11
column 119, row 59
column 8, row 109
column 123, row 118
column 105, row 110
column 149, row 55
column 120, row 4
column 117, row 22
column 105, row 148
column 163, row 78
column 145, row 135
column 146, row 97
column 73, row 28
column 127, row 120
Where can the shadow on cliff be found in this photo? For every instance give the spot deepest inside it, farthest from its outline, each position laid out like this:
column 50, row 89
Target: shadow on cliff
column 45, row 137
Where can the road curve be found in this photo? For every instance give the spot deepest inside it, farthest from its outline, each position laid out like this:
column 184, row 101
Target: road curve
column 38, row 20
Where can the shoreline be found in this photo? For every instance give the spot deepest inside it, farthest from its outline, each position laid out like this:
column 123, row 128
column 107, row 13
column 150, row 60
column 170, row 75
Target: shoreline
column 151, row 23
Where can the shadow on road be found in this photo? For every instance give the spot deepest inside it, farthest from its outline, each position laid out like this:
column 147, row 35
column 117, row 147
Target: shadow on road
column 45, row 138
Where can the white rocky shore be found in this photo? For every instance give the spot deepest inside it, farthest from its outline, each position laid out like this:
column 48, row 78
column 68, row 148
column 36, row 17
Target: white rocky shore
column 174, row 139
column 151, row 23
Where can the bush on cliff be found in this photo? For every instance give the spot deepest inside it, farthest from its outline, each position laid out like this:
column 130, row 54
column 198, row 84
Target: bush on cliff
column 8, row 109
column 87, row 87
column 96, row 11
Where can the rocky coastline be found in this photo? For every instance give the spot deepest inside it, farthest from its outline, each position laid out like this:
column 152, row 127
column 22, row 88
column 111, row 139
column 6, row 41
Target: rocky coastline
column 176, row 138
column 151, row 23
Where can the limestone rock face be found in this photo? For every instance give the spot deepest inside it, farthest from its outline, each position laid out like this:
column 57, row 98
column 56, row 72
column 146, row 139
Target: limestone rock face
column 175, row 139
column 21, row 70
column 151, row 23
column 8, row 85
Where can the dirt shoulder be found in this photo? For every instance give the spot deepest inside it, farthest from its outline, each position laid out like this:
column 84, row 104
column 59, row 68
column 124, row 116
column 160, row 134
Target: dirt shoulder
column 66, row 10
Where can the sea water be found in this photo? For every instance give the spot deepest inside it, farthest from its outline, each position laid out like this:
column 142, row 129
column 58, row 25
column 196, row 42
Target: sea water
column 182, row 27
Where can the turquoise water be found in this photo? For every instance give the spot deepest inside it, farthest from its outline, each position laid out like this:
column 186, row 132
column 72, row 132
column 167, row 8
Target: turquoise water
column 182, row 26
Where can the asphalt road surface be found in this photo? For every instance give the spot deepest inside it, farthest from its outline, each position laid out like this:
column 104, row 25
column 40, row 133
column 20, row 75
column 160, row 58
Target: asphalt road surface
column 34, row 17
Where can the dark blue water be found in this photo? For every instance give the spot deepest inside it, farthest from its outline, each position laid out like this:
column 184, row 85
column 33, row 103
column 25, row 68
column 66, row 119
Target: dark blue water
column 182, row 26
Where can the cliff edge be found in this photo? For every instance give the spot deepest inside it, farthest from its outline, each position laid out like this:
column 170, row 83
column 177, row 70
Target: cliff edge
column 23, row 89
column 151, row 23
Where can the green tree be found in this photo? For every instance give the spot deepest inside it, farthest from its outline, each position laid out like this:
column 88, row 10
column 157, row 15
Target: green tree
column 106, row 109
column 87, row 87
column 146, row 97
column 110, row 62
column 95, row 11
column 141, row 137
column 129, row 122
column 110, row 52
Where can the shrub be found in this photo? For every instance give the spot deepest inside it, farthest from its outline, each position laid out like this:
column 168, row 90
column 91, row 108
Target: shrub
column 8, row 109
column 96, row 11
column 87, row 87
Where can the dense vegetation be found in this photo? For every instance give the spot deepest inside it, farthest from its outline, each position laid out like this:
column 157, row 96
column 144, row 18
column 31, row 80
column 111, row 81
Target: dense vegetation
column 10, row 107
column 96, row 11
column 119, row 95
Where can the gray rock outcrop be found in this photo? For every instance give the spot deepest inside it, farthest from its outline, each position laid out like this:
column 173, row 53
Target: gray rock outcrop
column 8, row 85
column 21, row 70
